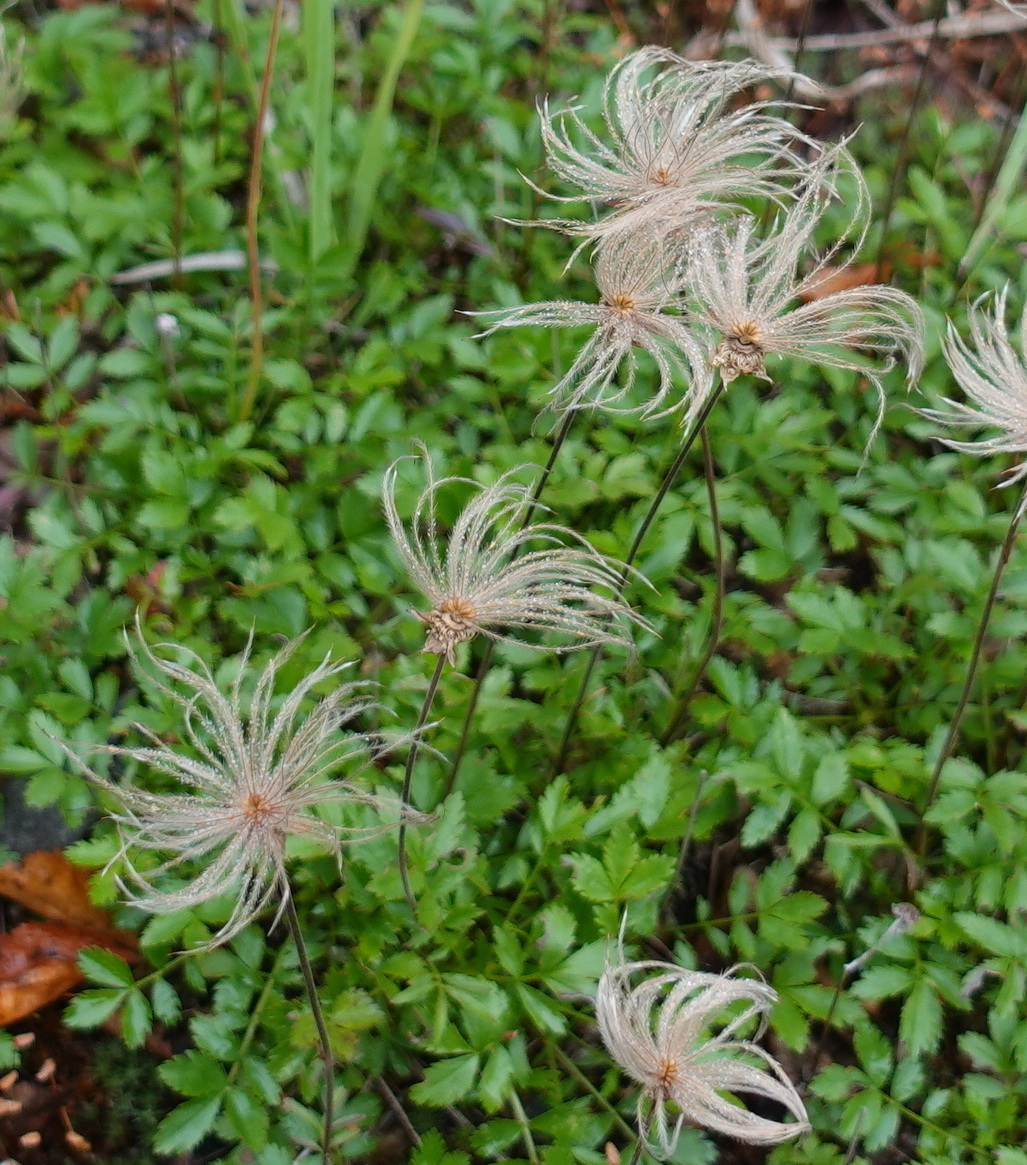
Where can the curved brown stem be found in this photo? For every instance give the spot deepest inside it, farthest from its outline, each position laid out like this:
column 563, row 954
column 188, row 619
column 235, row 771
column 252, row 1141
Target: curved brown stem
column 253, row 195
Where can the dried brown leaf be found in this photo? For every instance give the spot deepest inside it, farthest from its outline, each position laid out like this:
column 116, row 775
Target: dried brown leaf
column 46, row 883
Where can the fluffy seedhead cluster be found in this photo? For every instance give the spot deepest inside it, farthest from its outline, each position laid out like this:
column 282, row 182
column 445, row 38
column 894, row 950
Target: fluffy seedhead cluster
column 704, row 250
column 674, row 1033
column 252, row 770
column 684, row 269
column 994, row 377
column 499, row 569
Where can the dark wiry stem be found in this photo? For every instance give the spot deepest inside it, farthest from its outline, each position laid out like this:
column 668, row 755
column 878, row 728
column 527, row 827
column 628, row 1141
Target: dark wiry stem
column 905, row 146
column 920, row 845
column 668, row 480
column 319, row 1023
column 486, row 657
column 408, row 776
column 717, row 610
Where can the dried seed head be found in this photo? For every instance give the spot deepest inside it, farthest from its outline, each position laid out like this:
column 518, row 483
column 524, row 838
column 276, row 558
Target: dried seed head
column 640, row 282
column 992, row 374
column 673, row 1034
column 487, row 576
column 744, row 285
column 674, row 151
column 256, row 768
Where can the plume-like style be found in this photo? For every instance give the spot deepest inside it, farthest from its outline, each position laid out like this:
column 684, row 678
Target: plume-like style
column 640, row 308
column 253, row 773
column 744, row 286
column 674, row 151
column 487, row 577
column 660, row 1033
column 991, row 373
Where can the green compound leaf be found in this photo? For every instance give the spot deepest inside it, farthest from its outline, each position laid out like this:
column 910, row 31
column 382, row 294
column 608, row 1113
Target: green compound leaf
column 448, row 1081
column 187, row 1125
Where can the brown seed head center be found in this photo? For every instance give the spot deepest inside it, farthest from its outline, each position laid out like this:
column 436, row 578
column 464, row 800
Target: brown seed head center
column 453, row 621
column 741, row 352
column 661, row 176
column 621, row 301
column 256, row 807
column 667, row 1072
column 748, row 335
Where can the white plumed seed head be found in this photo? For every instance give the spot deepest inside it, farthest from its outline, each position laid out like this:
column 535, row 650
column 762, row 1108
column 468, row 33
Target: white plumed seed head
column 673, row 1033
column 674, row 151
column 640, row 308
column 498, row 570
column 992, row 374
column 253, row 768
column 744, row 285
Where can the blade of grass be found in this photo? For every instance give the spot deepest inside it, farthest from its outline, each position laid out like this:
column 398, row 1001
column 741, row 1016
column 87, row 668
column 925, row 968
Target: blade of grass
column 319, row 50
column 374, row 153
column 1007, row 183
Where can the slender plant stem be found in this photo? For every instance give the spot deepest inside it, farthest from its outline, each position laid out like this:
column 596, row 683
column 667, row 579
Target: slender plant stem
column 636, row 1156
column 178, row 215
column 668, row 480
column 572, row 1069
column 218, row 94
column 252, row 212
column 319, row 1023
column 717, row 607
column 255, row 1015
column 686, row 843
column 920, row 845
column 486, row 658
column 905, row 146
column 408, row 776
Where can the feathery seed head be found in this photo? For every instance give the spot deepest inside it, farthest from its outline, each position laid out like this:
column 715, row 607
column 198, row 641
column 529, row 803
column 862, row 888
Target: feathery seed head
column 994, row 377
column 661, row 1032
column 744, row 286
column 487, row 576
column 674, row 151
column 253, row 768
column 640, row 308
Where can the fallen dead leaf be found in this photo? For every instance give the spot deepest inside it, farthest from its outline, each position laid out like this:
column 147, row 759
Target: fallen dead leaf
column 832, row 279
column 46, row 883
column 39, row 960
column 38, row 964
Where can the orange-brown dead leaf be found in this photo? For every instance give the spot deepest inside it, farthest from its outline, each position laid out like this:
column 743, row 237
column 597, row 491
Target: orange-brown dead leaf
column 38, row 964
column 46, row 883
column 832, row 279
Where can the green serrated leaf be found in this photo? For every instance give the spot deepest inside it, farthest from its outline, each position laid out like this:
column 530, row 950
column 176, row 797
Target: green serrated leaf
column 90, row 1008
column 193, row 1073
column 105, row 967
column 448, row 1081
column 184, row 1127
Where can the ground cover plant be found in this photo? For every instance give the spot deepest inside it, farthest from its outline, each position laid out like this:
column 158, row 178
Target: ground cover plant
column 504, row 581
